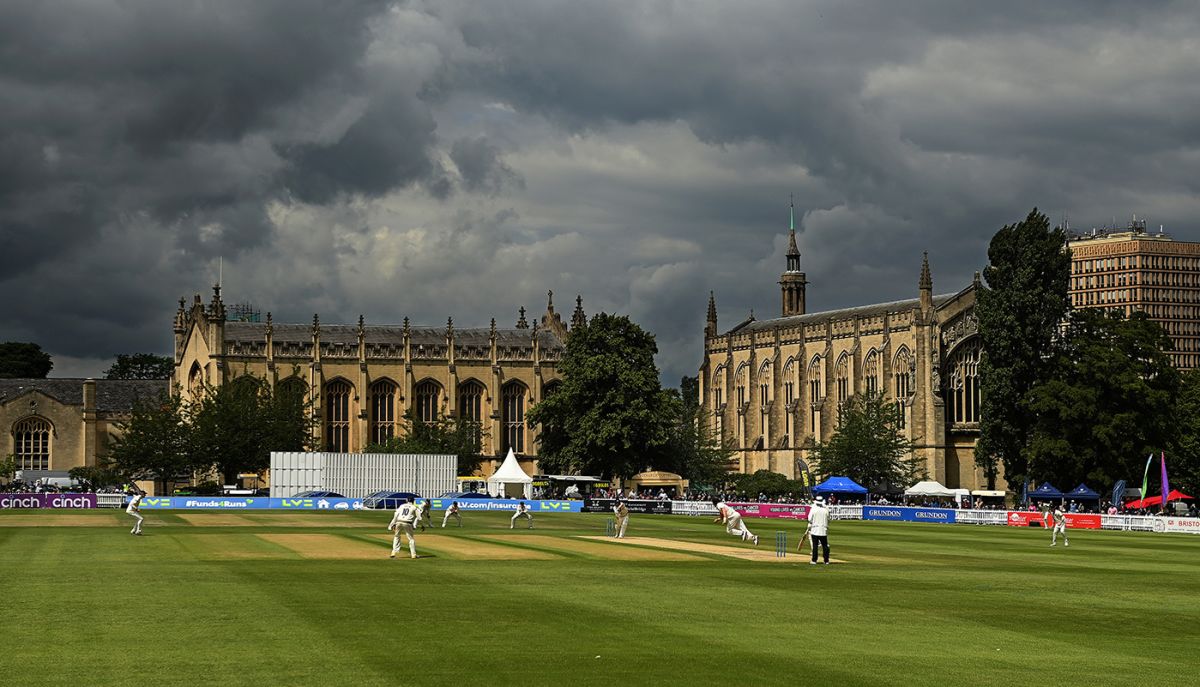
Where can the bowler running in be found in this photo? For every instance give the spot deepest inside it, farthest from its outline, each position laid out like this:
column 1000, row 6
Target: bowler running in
column 402, row 524
column 452, row 512
column 733, row 522
column 522, row 511
column 135, row 505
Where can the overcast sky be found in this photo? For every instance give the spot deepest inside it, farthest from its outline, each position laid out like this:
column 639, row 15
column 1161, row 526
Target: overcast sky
column 434, row 159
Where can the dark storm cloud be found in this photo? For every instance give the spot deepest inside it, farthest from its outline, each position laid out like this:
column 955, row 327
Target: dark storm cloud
column 481, row 166
column 338, row 154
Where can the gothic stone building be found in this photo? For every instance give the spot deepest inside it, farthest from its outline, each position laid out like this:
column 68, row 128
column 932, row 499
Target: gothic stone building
column 58, row 424
column 363, row 379
column 772, row 387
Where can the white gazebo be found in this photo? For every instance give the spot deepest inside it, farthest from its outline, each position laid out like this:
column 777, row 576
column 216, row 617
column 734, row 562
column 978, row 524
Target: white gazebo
column 929, row 488
column 509, row 480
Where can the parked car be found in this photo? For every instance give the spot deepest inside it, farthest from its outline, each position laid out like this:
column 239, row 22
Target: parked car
column 464, row 495
column 318, row 495
column 388, row 499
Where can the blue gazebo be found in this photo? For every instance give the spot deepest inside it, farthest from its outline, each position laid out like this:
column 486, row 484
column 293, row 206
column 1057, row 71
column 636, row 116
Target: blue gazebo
column 1046, row 491
column 839, row 485
column 1083, row 493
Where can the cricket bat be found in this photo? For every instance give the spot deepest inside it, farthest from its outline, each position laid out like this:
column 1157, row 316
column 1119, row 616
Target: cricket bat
column 803, row 538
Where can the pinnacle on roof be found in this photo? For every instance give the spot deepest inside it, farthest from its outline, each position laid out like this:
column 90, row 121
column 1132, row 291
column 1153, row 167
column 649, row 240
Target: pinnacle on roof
column 926, row 283
column 712, row 307
column 578, row 318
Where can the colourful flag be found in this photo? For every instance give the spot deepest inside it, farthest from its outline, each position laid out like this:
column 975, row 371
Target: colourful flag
column 1146, row 477
column 1165, row 486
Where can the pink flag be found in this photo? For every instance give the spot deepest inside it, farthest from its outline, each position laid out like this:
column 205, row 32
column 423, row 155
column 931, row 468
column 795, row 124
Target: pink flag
column 1163, row 463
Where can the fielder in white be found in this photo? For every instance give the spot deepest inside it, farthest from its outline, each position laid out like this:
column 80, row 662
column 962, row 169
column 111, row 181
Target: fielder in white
column 1060, row 526
column 423, row 514
column 452, row 512
column 402, row 523
column 733, row 522
column 135, row 505
column 522, row 511
column 621, row 513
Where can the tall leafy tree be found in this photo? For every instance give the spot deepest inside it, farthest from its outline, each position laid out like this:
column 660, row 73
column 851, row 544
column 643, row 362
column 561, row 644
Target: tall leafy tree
column 1183, row 455
column 238, row 424
column 24, row 360
column 141, row 366
column 693, row 451
column 155, row 443
column 610, row 417
column 868, row 445
column 447, row 435
column 1019, row 312
column 1110, row 401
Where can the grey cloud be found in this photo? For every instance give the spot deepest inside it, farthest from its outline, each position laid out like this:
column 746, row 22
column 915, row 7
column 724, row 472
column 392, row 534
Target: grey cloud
column 481, row 166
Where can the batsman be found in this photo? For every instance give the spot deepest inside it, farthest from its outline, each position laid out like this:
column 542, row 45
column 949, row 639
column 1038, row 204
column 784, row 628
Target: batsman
column 621, row 515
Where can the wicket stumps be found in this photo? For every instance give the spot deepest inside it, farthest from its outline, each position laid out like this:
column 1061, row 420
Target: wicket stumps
column 611, row 530
column 781, row 544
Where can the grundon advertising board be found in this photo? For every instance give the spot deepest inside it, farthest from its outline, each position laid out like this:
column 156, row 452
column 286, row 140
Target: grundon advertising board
column 909, row 514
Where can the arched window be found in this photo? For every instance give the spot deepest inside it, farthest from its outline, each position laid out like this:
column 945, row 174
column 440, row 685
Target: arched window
column 902, row 381
column 815, row 390
column 871, row 372
column 789, row 397
column 740, row 386
column 31, row 444
column 429, row 394
column 337, row 416
column 292, row 387
column 514, row 417
column 842, row 375
column 764, row 402
column 718, row 404
column 963, row 393
column 551, row 388
column 383, row 410
column 195, row 380
column 470, row 400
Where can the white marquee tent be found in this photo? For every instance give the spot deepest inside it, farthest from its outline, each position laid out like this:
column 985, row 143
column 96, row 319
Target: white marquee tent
column 928, row 488
column 509, row 480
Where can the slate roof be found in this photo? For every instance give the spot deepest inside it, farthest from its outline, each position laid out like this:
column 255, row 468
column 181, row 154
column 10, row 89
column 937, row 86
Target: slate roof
column 861, row 311
column 393, row 334
column 112, row 395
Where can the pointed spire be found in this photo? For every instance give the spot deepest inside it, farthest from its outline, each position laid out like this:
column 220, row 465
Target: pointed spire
column 492, row 332
column 361, row 326
column 270, row 324
column 793, row 253
column 710, row 325
column 926, row 283
column 578, row 319
column 522, row 323
column 406, row 328
column 316, row 327
column 450, row 326
column 792, row 212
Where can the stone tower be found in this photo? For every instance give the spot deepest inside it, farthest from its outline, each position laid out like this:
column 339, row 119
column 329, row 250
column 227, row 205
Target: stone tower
column 793, row 281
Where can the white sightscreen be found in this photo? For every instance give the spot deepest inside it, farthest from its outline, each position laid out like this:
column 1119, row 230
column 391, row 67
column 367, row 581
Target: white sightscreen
column 355, row 475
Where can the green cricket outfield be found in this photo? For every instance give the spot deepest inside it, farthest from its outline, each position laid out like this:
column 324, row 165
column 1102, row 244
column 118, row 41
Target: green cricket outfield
column 312, row 599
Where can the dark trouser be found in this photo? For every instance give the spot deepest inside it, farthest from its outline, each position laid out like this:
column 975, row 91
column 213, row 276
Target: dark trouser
column 823, row 541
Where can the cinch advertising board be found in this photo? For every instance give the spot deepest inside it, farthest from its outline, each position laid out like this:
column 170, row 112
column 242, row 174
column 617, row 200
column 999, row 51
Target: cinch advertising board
column 338, row 504
column 47, row 500
column 909, row 514
column 791, row 511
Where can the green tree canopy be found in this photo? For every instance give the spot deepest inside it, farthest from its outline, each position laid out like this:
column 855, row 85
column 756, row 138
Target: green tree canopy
column 23, row 360
column 1110, row 400
column 610, row 416
column 237, row 425
column 141, row 366
column 1019, row 312
column 1183, row 455
column 769, row 484
column 155, row 443
column 868, row 445
column 692, row 451
column 446, row 435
